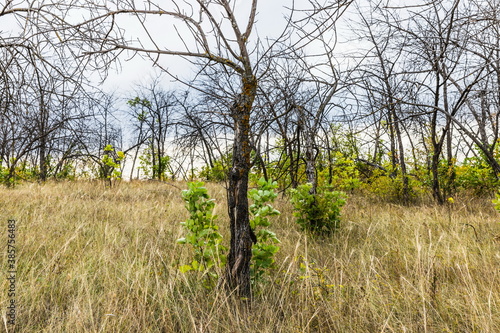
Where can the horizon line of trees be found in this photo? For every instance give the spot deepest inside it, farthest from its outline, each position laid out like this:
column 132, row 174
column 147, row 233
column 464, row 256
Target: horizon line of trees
column 171, row 136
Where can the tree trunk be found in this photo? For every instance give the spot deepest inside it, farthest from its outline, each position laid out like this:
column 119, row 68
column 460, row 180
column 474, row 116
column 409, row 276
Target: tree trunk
column 43, row 159
column 402, row 160
column 436, row 187
column 310, row 158
column 451, row 173
column 295, row 158
column 242, row 237
column 136, row 153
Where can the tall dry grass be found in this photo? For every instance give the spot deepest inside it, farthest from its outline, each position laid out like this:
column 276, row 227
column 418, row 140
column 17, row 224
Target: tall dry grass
column 97, row 259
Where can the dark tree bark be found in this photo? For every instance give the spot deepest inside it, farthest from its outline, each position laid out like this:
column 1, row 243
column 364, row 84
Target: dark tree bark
column 240, row 253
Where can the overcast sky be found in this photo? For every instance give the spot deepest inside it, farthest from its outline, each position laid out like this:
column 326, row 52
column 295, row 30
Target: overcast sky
column 270, row 23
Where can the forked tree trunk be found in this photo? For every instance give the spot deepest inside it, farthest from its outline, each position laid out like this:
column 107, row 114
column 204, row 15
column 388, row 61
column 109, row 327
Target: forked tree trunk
column 237, row 277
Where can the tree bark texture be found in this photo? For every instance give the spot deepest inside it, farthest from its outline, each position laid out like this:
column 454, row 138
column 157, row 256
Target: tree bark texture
column 242, row 237
column 310, row 158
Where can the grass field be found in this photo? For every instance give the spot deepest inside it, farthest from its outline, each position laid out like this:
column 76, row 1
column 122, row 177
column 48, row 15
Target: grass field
column 97, row 259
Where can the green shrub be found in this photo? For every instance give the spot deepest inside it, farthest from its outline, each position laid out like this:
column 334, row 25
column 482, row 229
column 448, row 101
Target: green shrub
column 496, row 202
column 345, row 175
column 218, row 172
column 317, row 213
column 159, row 170
column 202, row 233
column 67, row 171
column 476, row 176
column 21, row 171
column 264, row 249
column 391, row 188
column 109, row 166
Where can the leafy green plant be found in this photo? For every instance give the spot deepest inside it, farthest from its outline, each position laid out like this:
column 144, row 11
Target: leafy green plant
column 161, row 169
column 265, row 247
column 157, row 171
column 390, row 187
column 318, row 212
column 204, row 237
column 67, row 171
column 496, row 202
column 145, row 163
column 17, row 171
column 203, row 233
column 138, row 102
column 219, row 169
column 345, row 175
column 110, row 165
column 475, row 175
column 8, row 175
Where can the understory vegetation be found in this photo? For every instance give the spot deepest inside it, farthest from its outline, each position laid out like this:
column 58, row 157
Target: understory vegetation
column 94, row 258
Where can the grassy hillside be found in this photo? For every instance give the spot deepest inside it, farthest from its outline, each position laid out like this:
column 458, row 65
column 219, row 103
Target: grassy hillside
column 96, row 259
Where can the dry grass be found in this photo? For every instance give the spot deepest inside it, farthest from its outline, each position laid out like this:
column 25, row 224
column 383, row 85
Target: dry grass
column 95, row 259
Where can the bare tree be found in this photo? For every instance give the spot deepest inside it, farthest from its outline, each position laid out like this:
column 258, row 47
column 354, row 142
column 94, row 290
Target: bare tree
column 152, row 112
column 212, row 31
column 429, row 69
column 383, row 79
column 230, row 49
column 481, row 126
column 43, row 84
